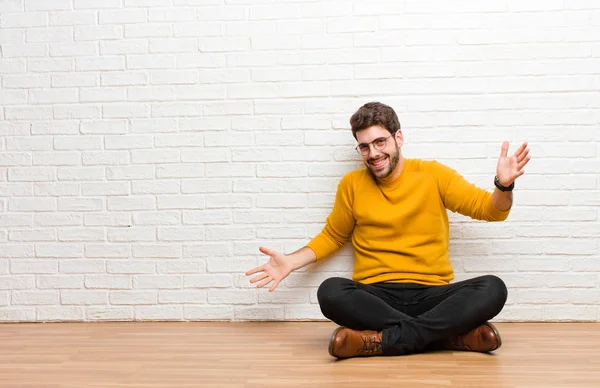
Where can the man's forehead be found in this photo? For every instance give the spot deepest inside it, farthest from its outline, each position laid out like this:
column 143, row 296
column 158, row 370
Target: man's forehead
column 371, row 133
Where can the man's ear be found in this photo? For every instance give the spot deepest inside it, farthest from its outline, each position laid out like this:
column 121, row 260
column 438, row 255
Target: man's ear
column 399, row 138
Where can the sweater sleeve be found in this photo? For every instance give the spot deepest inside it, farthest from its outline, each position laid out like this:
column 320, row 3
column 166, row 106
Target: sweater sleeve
column 461, row 196
column 340, row 223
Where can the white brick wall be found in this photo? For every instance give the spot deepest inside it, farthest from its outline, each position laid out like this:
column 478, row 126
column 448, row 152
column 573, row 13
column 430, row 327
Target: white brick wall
column 148, row 147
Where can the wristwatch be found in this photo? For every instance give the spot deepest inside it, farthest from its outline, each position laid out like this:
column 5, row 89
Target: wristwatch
column 503, row 188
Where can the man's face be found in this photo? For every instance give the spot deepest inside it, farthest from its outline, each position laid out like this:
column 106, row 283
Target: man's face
column 383, row 155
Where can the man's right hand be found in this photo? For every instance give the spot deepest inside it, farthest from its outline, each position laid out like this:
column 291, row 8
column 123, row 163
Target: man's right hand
column 274, row 270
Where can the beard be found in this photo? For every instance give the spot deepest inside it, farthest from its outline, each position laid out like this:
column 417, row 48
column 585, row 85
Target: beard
column 388, row 168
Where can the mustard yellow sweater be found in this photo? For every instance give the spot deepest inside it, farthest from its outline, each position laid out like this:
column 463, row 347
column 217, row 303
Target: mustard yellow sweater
column 399, row 229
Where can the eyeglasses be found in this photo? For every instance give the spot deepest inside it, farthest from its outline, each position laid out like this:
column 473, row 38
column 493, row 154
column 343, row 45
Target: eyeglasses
column 379, row 144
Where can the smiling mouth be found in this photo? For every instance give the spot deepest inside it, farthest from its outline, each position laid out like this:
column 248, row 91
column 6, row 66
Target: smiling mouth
column 378, row 164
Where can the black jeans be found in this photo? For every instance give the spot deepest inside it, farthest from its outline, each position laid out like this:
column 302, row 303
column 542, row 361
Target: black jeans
column 413, row 317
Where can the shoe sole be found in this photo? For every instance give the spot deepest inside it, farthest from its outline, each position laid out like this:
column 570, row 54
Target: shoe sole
column 331, row 341
column 497, row 333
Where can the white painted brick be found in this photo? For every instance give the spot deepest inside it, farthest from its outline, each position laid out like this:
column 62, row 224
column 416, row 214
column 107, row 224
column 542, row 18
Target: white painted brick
column 130, row 267
column 26, row 81
column 178, row 14
column 79, row 111
column 202, row 60
column 26, row 298
column 125, row 110
column 181, row 202
column 62, row 219
column 18, row 50
column 51, row 65
column 223, row 44
column 33, row 267
column 105, row 157
column 128, row 142
column 181, row 267
column 109, row 314
column 157, row 251
column 206, row 217
column 158, row 313
column 131, row 203
column 213, row 313
column 80, row 173
column 29, row 143
column 207, row 250
column 260, row 313
column 15, row 159
column 107, row 219
column 74, row 80
column 172, row 77
column 113, row 251
column 71, row 18
column 233, row 297
column 17, row 314
column 133, row 297
column 207, row 281
column 32, row 204
column 151, row 93
column 53, row 96
column 148, row 30
column 105, row 63
column 182, row 296
column 31, row 174
column 173, row 45
column 130, row 234
column 74, row 49
column 32, row 235
column 193, row 92
column 84, row 297
column 59, row 314
column 96, row 33
column 8, row 66
column 58, row 250
column 155, row 187
column 86, row 234
column 176, row 109
column 124, row 79
column 144, row 3
column 130, row 173
column 257, row 186
column 229, row 233
column 154, row 156
column 157, row 282
column 22, row 20
column 180, row 171
column 8, row 36
column 229, row 170
column 49, row 34
column 105, row 188
column 88, row 266
column 60, row 282
column 92, row 4
column 17, row 282
column 111, row 282
column 288, row 170
column 123, row 16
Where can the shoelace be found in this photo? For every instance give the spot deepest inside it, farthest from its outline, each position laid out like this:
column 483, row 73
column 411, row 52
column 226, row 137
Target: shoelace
column 370, row 344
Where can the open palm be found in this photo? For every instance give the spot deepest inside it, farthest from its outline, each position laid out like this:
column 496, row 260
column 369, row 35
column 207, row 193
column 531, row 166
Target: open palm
column 274, row 270
column 511, row 167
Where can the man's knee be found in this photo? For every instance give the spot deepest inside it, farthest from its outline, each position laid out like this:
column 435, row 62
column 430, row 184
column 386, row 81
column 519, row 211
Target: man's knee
column 496, row 289
column 330, row 290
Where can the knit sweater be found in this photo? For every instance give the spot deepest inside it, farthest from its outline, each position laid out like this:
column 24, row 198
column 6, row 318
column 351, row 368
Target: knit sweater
column 399, row 229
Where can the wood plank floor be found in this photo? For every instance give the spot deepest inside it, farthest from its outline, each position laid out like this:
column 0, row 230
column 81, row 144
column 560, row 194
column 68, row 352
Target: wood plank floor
column 277, row 354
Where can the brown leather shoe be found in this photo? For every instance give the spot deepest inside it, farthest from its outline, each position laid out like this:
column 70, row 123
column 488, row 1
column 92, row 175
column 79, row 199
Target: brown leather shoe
column 484, row 338
column 346, row 343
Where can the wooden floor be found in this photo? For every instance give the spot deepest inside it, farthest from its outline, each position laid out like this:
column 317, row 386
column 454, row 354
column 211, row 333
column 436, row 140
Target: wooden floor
column 153, row 355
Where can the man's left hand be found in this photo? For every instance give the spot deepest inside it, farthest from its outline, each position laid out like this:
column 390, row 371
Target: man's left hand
column 511, row 167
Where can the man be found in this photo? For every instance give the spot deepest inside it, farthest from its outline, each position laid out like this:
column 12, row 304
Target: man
column 400, row 300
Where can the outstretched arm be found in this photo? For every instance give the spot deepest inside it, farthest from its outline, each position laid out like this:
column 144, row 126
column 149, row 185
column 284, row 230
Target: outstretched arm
column 279, row 266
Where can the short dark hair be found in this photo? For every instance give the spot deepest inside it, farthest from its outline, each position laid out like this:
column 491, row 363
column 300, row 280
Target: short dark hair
column 374, row 113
